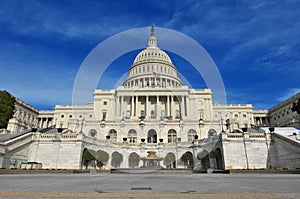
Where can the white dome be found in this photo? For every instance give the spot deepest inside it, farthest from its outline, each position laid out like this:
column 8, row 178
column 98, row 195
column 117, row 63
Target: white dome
column 152, row 67
column 152, row 54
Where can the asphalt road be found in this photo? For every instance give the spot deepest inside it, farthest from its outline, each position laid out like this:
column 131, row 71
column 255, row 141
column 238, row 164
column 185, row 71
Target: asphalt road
column 150, row 186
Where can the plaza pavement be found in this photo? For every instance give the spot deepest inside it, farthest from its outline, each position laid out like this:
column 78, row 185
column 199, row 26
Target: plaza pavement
column 150, row 185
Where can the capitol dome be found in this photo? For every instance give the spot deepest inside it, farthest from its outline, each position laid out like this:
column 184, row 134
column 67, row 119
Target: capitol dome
column 152, row 67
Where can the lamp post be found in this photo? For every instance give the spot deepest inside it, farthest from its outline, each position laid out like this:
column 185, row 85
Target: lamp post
column 181, row 125
column 142, row 124
column 161, row 126
column 195, row 139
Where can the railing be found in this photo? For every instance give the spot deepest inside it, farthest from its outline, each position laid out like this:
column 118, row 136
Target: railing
column 235, row 135
column 17, row 142
column 293, row 142
column 257, row 135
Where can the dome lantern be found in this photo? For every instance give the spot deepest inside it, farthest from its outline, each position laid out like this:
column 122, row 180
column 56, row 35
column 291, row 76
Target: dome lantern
column 152, row 41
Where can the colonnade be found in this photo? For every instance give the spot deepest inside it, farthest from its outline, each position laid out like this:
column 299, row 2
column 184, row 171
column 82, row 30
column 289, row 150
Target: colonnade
column 152, row 107
column 152, row 81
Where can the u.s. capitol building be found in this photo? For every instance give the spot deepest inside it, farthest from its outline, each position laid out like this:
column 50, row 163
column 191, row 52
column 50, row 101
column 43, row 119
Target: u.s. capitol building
column 152, row 117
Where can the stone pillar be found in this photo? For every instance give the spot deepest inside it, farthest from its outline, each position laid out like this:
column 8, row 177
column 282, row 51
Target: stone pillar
column 172, row 106
column 157, row 105
column 134, row 106
column 121, row 106
column 117, row 106
column 187, row 103
column 146, row 107
column 131, row 107
column 182, row 112
column 168, row 106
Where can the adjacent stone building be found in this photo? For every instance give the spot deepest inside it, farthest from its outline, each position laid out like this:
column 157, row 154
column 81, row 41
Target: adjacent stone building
column 282, row 115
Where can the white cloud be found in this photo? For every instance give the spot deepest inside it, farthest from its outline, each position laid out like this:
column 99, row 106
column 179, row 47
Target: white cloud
column 289, row 93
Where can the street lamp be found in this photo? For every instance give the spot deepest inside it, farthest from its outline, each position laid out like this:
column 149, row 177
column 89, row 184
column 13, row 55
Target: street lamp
column 161, row 126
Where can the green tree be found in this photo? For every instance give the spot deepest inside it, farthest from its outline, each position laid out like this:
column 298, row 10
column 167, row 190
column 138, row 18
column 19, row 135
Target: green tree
column 7, row 106
column 134, row 160
column 116, row 159
column 187, row 159
column 101, row 157
column 88, row 156
column 170, row 159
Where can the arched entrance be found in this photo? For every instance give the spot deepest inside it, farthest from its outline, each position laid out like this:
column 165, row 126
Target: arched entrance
column 152, row 136
column 204, row 157
column 219, row 159
column 170, row 161
column 188, row 160
column 133, row 160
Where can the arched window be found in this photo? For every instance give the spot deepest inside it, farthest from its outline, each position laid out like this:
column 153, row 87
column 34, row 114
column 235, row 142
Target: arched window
column 172, row 136
column 132, row 136
column 113, row 135
column 191, row 135
column 152, row 136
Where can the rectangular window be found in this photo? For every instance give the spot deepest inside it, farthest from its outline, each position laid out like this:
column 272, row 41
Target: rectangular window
column 105, row 103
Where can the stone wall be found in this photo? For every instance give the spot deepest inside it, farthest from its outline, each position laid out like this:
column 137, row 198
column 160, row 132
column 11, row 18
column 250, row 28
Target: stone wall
column 245, row 150
column 56, row 153
column 287, row 151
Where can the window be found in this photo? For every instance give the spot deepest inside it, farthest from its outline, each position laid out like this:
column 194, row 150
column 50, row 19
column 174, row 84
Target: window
column 113, row 135
column 191, row 135
column 62, row 116
column 91, row 116
column 70, row 116
column 105, row 103
column 172, row 136
column 152, row 136
column 244, row 115
column 80, row 116
column 236, row 115
column 132, row 136
column 103, row 115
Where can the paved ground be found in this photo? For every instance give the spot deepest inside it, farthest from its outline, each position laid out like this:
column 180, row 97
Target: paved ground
column 150, row 186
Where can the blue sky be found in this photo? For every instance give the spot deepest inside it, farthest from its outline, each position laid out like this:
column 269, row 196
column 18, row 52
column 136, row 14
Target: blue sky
column 255, row 44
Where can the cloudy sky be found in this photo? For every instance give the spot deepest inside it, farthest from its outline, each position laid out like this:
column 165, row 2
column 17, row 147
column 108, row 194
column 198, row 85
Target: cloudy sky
column 255, row 44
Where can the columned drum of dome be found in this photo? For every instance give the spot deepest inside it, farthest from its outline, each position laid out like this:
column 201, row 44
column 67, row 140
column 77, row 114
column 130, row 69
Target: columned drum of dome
column 152, row 67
